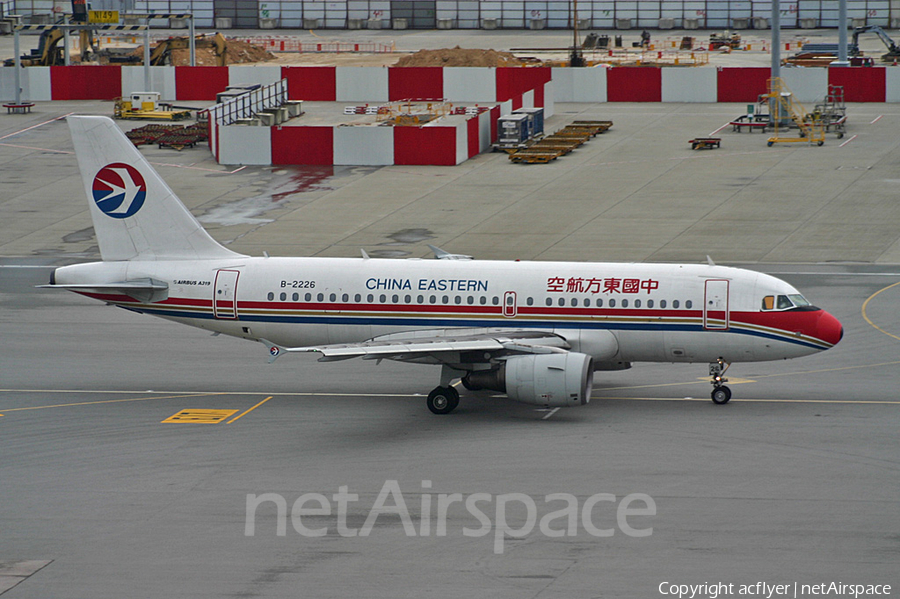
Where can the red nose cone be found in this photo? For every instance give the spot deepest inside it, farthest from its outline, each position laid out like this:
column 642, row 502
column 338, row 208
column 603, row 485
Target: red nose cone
column 829, row 329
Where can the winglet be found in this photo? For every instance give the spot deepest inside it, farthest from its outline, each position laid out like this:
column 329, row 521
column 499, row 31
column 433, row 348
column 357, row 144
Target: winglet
column 710, row 261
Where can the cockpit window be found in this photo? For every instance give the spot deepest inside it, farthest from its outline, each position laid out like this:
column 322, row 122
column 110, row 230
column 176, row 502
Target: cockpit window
column 784, row 302
column 799, row 300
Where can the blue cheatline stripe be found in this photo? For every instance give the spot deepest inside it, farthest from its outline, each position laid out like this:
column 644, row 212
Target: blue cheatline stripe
column 484, row 323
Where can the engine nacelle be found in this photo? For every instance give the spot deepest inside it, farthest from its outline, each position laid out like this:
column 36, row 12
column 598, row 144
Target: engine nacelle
column 551, row 380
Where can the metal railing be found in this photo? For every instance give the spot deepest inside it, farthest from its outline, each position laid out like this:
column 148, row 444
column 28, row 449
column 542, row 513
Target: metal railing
column 294, row 44
column 247, row 105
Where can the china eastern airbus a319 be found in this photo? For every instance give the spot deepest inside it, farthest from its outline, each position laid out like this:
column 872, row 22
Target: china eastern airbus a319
column 536, row 331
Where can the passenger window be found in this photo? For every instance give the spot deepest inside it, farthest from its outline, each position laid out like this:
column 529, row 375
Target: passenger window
column 356, row 298
column 457, row 300
column 283, row 296
column 470, row 300
column 445, row 299
column 482, row 300
column 662, row 303
column 587, row 303
column 332, row 297
column 549, row 301
column 675, row 303
column 649, row 303
column 495, row 300
column 271, row 296
column 688, row 304
column 308, row 297
column 599, row 302
column 370, row 298
column 432, row 299
column 320, row 297
column 530, row 301
column 395, row 299
column 295, row 297
column 345, row 298
column 612, row 303
column 624, row 303
column 562, row 301
column 420, row 299
column 574, row 302
column 637, row 303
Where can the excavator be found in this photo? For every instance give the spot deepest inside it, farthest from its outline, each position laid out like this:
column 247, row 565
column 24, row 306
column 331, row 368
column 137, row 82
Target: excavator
column 893, row 53
column 47, row 54
column 161, row 54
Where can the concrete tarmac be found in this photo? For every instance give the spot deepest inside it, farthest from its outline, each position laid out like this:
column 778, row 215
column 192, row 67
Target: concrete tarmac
column 794, row 481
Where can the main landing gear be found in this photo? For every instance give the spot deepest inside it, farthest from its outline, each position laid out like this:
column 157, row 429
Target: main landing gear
column 720, row 393
column 444, row 398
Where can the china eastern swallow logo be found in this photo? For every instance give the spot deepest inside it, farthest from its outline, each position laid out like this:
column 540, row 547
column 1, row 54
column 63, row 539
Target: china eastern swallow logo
column 119, row 190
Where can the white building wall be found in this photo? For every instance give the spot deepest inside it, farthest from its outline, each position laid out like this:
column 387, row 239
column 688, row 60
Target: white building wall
column 366, row 146
column 892, row 85
column 579, row 85
column 8, row 85
column 361, row 84
column 682, row 84
column 252, row 75
column 38, row 84
column 462, row 142
column 549, row 100
column 484, row 131
column 528, row 99
column 808, row 85
column 470, row 84
column 242, row 144
column 162, row 80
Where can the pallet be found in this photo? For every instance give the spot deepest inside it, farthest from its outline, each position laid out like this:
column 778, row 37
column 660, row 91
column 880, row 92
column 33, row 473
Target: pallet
column 705, row 143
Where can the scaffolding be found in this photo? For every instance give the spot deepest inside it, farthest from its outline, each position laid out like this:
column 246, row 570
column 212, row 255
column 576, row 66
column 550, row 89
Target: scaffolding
column 832, row 112
column 785, row 113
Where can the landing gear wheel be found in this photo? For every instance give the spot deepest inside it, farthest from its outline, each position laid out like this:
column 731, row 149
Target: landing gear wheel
column 721, row 395
column 443, row 400
column 821, row 143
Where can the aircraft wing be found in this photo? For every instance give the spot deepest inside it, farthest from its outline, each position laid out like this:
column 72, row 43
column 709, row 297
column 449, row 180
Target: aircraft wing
column 436, row 346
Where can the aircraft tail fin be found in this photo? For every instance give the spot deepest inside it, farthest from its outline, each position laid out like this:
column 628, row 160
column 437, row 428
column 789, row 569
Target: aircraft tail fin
column 136, row 216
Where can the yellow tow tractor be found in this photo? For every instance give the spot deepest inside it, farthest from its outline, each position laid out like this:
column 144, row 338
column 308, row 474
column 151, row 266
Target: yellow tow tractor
column 146, row 105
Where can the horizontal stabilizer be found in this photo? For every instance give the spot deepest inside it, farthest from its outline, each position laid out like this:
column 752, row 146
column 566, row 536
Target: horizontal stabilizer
column 143, row 290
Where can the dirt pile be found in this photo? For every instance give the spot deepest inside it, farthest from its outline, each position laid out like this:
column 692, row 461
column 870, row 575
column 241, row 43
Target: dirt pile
column 459, row 57
column 237, row 52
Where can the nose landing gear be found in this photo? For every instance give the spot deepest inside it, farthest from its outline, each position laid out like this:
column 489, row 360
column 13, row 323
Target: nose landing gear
column 720, row 393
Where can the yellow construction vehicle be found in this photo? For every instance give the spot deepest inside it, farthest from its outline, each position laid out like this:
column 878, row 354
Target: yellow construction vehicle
column 146, row 105
column 47, row 54
column 161, row 54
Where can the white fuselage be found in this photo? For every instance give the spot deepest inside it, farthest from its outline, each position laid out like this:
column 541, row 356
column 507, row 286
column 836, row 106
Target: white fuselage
column 655, row 312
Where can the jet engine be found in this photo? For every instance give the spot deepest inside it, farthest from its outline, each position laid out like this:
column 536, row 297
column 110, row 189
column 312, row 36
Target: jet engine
column 553, row 380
